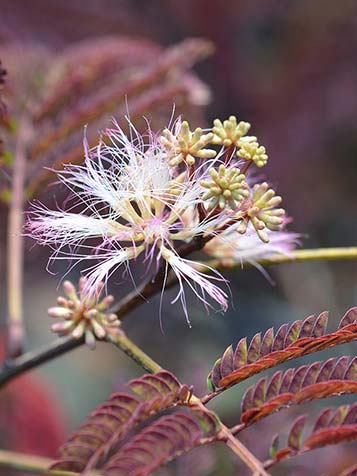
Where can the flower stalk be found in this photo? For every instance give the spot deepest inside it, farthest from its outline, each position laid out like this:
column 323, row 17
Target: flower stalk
column 300, row 256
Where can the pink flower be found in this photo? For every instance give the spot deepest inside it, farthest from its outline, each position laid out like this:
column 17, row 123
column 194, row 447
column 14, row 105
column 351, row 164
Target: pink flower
column 129, row 198
column 140, row 196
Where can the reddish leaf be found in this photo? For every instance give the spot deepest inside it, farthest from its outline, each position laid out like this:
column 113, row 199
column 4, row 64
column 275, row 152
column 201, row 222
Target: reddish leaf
column 325, row 389
column 286, row 381
column 307, row 326
column 351, row 416
column 170, row 380
column 340, row 368
column 339, row 416
column 158, row 382
column 257, row 413
column 323, row 419
column 295, row 435
column 293, row 333
column 247, row 400
column 158, row 444
column 349, row 318
column 260, row 392
column 351, row 372
column 274, row 385
column 227, row 361
column 274, row 446
column 326, row 370
column 240, row 355
column 254, row 349
column 320, row 325
column 96, row 439
column 279, row 339
column 215, row 374
column 298, row 378
column 291, row 388
column 287, row 344
column 267, row 342
column 331, row 436
column 311, row 374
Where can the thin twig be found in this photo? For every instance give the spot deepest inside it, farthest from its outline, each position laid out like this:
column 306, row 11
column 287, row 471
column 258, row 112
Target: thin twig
column 38, row 464
column 29, row 463
column 15, row 253
column 120, row 340
column 14, row 367
column 226, row 435
column 318, row 254
column 11, row 368
column 243, row 453
column 152, row 286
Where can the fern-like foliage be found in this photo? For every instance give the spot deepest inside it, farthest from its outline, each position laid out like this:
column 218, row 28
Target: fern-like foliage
column 332, row 426
column 289, row 342
column 88, row 82
column 294, row 386
column 164, row 440
column 111, row 422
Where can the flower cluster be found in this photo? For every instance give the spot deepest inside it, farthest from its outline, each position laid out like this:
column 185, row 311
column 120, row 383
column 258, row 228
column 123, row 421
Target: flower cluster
column 227, row 187
column 154, row 196
column 83, row 315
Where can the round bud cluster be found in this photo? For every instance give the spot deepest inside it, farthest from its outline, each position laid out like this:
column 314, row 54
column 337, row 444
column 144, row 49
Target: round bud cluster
column 227, row 187
column 229, row 132
column 83, row 315
column 251, row 150
column 186, row 145
column 263, row 212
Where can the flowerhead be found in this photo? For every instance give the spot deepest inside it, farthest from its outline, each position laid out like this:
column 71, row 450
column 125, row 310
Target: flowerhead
column 83, row 315
column 151, row 196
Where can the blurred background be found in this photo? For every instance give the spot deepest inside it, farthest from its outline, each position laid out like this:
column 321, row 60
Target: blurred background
column 288, row 67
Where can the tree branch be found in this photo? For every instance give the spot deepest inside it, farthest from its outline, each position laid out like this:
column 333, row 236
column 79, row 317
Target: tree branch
column 15, row 255
column 153, row 285
column 14, row 367
column 243, row 453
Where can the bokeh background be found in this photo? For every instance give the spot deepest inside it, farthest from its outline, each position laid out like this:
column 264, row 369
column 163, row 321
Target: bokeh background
column 288, row 67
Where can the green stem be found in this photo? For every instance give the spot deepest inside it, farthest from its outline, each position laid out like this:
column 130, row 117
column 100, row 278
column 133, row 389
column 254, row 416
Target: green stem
column 153, row 285
column 315, row 255
column 29, row 463
column 120, row 340
column 318, row 254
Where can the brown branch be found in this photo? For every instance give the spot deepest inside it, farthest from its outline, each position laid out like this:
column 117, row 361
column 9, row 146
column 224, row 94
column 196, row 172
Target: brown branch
column 225, row 435
column 154, row 284
column 15, row 254
column 242, row 452
column 11, row 368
